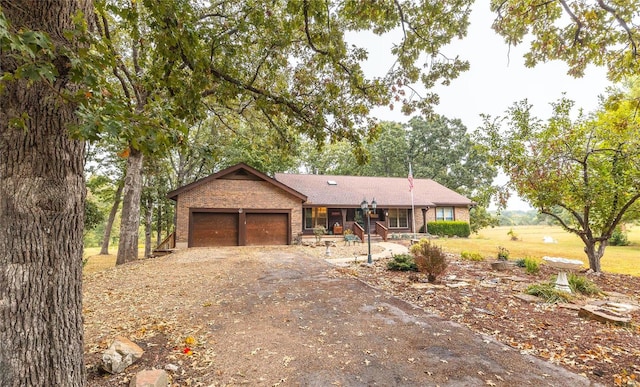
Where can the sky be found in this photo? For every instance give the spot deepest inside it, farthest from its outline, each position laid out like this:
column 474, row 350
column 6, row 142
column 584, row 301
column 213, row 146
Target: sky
column 497, row 78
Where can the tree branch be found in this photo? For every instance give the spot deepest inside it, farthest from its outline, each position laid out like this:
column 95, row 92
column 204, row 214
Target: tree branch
column 622, row 23
column 576, row 37
column 118, row 65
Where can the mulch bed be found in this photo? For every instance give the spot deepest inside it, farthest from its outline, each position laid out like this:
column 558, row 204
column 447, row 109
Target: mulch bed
column 488, row 302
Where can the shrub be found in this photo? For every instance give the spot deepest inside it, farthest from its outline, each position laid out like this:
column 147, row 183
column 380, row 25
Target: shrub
column 402, row 262
column 531, row 266
column 449, row 228
column 319, row 231
column 548, row 292
column 471, row 256
column 520, row 263
column 513, row 235
column 618, row 238
column 503, row 253
column 581, row 284
column 429, row 259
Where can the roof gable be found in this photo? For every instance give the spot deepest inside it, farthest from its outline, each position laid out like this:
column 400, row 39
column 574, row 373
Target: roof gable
column 240, row 171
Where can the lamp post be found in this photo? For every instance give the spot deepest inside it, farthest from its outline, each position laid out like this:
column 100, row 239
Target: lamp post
column 365, row 208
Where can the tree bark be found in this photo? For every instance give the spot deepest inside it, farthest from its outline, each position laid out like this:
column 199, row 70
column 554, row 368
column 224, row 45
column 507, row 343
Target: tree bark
column 130, row 219
column 104, row 250
column 159, row 222
column 42, row 196
column 594, row 255
column 148, row 218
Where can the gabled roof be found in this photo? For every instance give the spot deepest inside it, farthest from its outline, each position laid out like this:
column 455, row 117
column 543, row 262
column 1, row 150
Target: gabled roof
column 348, row 191
column 235, row 171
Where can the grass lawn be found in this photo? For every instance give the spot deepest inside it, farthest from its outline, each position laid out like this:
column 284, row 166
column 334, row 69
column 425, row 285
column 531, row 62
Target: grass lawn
column 96, row 262
column 530, row 243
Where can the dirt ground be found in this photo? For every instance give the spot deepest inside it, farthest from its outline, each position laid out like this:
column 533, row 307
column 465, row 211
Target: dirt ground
column 284, row 316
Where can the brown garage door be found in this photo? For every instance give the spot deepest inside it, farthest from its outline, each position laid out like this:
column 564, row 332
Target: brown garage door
column 267, row 229
column 214, row 229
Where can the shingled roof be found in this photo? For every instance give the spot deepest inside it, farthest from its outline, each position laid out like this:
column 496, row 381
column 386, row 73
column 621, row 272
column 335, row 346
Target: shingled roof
column 348, row 191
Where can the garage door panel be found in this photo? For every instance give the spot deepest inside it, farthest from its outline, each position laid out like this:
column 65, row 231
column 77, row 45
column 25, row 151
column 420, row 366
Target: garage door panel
column 267, row 229
column 214, row 229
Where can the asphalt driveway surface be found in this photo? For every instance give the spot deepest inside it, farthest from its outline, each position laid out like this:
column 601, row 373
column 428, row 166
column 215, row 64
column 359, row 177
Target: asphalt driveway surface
column 278, row 316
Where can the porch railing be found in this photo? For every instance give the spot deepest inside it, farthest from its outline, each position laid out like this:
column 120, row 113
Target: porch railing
column 168, row 243
column 358, row 231
column 382, row 231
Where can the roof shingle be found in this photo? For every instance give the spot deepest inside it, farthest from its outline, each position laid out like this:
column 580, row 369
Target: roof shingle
column 388, row 191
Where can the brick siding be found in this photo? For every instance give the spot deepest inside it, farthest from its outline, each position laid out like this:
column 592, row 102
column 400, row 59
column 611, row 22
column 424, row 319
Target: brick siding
column 234, row 194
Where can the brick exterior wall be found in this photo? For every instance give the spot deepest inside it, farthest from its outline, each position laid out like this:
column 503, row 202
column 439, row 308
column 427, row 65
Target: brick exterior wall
column 459, row 214
column 234, row 194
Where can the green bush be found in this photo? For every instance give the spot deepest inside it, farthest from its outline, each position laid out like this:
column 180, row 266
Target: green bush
column 319, row 231
column 402, row 262
column 449, row 228
column 548, row 292
column 471, row 256
column 429, row 259
column 531, row 266
column 581, row 284
column 503, row 253
column 520, row 263
column 618, row 238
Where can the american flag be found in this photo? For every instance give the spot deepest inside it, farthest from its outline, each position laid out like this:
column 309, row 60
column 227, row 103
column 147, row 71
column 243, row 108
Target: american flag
column 410, row 178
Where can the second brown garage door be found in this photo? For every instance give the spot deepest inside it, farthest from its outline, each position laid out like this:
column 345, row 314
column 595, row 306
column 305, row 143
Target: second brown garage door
column 267, row 229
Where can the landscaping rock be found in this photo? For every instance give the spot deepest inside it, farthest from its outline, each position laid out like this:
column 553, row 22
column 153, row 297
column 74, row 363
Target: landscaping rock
column 570, row 306
column 603, row 315
column 121, row 353
column 458, row 285
column 499, row 265
column 527, row 298
column 150, row 378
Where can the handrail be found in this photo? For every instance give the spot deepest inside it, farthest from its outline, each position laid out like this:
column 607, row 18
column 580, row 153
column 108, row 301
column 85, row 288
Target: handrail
column 358, row 231
column 168, row 243
column 382, row 231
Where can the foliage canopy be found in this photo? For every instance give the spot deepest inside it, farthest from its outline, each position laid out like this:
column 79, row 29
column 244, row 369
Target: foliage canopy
column 585, row 173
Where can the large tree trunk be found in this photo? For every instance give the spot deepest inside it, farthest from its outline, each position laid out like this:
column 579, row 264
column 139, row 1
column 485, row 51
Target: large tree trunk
column 41, row 213
column 104, row 250
column 130, row 219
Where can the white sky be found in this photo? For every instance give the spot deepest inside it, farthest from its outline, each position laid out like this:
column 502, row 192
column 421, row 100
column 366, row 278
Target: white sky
column 497, row 78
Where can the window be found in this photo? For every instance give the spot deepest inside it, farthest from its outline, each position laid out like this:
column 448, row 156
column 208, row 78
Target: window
column 444, row 213
column 398, row 218
column 315, row 216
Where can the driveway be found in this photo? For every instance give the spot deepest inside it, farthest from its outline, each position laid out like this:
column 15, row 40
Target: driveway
column 278, row 316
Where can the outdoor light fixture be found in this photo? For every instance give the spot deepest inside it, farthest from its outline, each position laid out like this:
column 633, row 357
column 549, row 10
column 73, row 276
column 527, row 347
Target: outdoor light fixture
column 364, row 205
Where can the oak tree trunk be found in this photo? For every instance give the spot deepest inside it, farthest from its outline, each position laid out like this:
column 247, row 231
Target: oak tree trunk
column 104, row 250
column 130, row 219
column 42, row 196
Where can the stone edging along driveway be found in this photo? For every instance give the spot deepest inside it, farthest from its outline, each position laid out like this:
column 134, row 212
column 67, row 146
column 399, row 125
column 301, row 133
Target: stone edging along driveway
column 277, row 316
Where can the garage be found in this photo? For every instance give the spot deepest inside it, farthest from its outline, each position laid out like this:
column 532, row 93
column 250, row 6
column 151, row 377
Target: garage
column 237, row 206
column 267, row 229
column 214, row 229
column 227, row 228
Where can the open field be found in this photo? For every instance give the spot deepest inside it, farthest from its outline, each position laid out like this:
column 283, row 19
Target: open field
column 530, row 243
